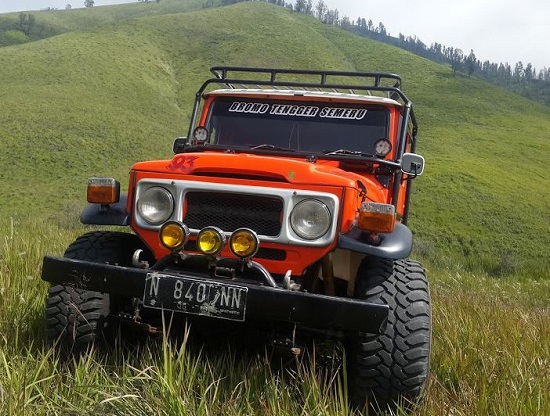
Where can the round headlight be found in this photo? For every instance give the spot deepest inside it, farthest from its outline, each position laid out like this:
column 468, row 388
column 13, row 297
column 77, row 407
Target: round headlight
column 155, row 205
column 200, row 135
column 210, row 241
column 382, row 147
column 310, row 219
column 173, row 235
column 244, row 243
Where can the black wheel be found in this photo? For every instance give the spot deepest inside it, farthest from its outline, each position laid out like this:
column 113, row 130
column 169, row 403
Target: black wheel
column 391, row 369
column 75, row 318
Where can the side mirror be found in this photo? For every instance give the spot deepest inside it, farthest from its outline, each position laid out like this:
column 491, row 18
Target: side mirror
column 412, row 164
column 179, row 144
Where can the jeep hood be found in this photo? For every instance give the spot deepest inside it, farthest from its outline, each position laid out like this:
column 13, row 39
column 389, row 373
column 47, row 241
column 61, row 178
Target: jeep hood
column 257, row 167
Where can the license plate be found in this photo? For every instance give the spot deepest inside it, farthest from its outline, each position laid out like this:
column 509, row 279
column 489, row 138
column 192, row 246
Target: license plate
column 194, row 296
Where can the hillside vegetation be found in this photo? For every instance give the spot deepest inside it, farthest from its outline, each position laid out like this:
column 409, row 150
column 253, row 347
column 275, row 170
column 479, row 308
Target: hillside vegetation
column 16, row 28
column 93, row 102
column 116, row 85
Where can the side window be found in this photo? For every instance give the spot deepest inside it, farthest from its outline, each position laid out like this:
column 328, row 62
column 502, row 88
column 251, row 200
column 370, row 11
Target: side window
column 409, row 138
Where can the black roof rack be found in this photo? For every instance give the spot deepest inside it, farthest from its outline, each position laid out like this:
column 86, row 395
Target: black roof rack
column 368, row 82
column 235, row 77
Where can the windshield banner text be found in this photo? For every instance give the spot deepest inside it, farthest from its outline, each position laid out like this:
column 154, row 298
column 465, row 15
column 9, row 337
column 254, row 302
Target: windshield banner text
column 342, row 113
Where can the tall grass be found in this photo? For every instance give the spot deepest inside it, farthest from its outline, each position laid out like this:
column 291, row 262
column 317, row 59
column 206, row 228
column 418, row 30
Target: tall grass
column 491, row 354
column 118, row 89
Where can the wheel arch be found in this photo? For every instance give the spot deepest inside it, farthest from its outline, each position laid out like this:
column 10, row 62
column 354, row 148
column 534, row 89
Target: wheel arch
column 395, row 245
column 113, row 214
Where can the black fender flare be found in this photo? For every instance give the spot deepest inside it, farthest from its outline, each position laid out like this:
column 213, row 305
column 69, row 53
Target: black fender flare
column 113, row 214
column 395, row 245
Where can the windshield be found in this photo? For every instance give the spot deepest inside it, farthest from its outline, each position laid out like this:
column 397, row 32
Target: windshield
column 299, row 126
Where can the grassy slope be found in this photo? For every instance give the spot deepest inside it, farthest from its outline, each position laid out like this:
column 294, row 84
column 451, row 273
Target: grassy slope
column 60, row 21
column 93, row 102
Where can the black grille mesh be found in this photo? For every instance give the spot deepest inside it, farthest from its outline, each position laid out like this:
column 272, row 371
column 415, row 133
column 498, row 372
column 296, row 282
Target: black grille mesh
column 229, row 211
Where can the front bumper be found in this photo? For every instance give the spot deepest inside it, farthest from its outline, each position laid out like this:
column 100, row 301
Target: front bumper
column 264, row 304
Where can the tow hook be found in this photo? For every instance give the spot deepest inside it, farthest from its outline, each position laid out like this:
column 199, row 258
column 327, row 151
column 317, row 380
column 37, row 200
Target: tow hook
column 136, row 262
column 287, row 343
column 131, row 320
column 289, row 284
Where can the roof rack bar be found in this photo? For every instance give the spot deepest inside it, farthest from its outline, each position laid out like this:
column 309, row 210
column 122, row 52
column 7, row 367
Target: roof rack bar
column 221, row 72
column 231, row 83
column 221, row 77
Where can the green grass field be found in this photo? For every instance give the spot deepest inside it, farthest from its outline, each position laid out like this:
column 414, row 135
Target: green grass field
column 116, row 86
column 491, row 354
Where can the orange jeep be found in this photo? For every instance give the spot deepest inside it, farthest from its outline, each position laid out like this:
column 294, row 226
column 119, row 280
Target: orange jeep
column 284, row 210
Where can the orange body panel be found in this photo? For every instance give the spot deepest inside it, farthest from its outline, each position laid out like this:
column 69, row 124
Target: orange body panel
column 265, row 171
column 349, row 181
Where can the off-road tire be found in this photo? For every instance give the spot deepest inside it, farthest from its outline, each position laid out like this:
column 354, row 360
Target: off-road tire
column 76, row 318
column 391, row 369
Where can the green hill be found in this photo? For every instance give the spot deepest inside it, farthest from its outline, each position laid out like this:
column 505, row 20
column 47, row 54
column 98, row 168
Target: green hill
column 117, row 86
column 54, row 22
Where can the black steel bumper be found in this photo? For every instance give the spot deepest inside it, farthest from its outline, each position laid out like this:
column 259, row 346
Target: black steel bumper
column 264, row 304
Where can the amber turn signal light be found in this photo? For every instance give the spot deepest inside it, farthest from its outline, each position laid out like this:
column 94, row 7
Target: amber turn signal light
column 376, row 218
column 103, row 191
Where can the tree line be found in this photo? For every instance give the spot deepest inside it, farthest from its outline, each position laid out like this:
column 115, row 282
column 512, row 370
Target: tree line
column 520, row 78
column 24, row 28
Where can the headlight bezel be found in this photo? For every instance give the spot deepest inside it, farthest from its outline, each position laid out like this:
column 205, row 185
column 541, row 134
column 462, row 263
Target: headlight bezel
column 163, row 214
column 323, row 209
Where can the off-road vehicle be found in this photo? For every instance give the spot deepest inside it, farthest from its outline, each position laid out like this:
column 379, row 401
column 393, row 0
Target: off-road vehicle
column 284, row 210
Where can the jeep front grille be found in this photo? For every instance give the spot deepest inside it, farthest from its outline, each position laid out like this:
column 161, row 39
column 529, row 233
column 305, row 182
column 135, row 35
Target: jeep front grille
column 230, row 211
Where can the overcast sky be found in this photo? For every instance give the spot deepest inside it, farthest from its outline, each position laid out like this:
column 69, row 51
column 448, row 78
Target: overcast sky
column 497, row 30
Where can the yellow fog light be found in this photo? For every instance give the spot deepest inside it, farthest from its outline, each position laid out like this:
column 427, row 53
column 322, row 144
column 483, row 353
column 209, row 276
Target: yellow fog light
column 210, row 241
column 173, row 235
column 244, row 243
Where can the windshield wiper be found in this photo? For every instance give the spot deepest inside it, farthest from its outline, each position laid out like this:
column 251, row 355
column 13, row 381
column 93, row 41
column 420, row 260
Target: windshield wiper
column 346, row 152
column 271, row 147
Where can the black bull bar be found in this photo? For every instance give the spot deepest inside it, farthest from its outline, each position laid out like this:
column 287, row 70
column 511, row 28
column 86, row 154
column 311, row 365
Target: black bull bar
column 264, row 304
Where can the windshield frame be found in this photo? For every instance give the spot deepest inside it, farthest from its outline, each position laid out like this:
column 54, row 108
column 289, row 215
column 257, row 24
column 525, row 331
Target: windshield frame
column 305, row 126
